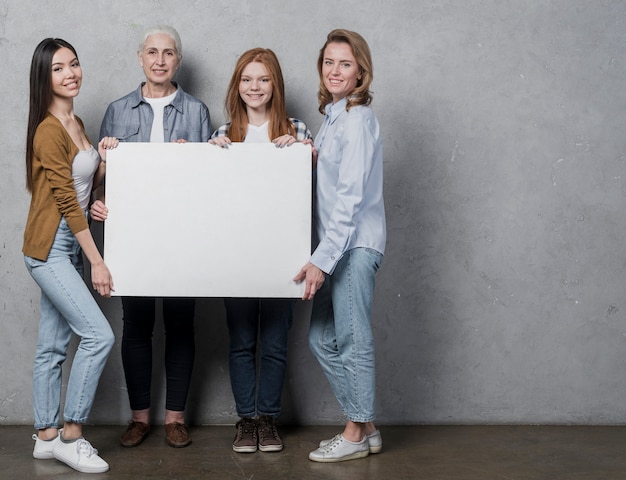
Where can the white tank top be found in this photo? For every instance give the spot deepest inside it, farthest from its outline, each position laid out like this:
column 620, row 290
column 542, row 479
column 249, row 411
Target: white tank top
column 83, row 168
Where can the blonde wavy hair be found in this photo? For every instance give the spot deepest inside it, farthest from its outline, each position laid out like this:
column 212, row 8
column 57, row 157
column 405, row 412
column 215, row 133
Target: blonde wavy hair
column 361, row 95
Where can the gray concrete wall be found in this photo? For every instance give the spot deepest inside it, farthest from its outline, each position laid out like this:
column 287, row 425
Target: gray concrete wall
column 501, row 297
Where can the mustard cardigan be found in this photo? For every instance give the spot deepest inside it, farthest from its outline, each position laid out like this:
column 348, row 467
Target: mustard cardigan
column 53, row 194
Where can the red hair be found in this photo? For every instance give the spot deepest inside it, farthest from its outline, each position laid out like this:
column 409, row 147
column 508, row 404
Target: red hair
column 279, row 123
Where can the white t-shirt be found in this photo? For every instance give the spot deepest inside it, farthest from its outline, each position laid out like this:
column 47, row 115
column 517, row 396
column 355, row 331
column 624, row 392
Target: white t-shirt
column 258, row 134
column 158, row 105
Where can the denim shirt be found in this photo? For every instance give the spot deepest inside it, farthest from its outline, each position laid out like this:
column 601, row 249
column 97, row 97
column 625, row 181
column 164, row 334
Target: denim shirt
column 130, row 119
column 350, row 209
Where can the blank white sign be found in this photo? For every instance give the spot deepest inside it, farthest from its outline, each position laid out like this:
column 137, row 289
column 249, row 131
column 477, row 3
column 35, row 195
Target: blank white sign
column 197, row 220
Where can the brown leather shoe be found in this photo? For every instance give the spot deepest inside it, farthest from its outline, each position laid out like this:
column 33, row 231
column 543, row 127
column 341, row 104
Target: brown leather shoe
column 177, row 435
column 134, row 434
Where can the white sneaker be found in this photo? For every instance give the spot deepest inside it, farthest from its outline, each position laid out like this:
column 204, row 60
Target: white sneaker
column 80, row 455
column 339, row 449
column 43, row 448
column 374, row 439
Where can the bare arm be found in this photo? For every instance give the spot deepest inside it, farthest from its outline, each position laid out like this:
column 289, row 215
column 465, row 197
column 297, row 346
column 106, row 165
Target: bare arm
column 101, row 279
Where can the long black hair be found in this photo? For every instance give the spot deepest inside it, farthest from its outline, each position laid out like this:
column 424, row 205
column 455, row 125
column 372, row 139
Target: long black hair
column 40, row 94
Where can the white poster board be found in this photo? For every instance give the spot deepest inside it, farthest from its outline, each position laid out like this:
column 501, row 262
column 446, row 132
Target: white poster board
column 197, row 220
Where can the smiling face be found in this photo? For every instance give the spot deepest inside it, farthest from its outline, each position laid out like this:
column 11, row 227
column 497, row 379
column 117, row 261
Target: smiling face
column 340, row 70
column 255, row 86
column 159, row 59
column 66, row 73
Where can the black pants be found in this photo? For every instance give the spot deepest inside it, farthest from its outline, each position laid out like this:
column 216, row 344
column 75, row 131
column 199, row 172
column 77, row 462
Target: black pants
column 139, row 317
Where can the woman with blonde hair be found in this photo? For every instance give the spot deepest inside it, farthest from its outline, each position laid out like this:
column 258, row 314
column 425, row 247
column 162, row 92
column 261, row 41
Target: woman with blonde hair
column 350, row 218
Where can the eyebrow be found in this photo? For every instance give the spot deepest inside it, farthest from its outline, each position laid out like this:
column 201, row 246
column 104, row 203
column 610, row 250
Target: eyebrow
column 75, row 59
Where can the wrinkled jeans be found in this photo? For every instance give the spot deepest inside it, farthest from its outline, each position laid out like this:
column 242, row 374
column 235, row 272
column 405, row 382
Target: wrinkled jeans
column 67, row 306
column 340, row 335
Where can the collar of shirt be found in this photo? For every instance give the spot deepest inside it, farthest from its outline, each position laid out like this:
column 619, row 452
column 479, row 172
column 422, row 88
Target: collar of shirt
column 177, row 103
column 333, row 110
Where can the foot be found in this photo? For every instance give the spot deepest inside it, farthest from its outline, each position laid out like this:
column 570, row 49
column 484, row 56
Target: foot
column 339, row 450
column 135, row 433
column 43, row 448
column 246, row 437
column 80, row 455
column 374, row 440
column 177, row 435
column 269, row 440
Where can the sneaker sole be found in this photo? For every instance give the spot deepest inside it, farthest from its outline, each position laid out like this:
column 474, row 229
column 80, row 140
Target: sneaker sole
column 270, row 448
column 82, row 468
column 352, row 456
column 244, row 449
column 375, row 449
column 43, row 456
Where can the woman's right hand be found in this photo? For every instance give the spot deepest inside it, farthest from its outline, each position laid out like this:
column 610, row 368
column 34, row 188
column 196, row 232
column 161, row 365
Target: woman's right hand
column 98, row 211
column 223, row 142
column 101, row 279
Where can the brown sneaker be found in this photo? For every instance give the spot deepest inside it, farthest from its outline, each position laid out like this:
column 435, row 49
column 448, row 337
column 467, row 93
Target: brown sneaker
column 246, row 437
column 134, row 434
column 177, row 435
column 269, row 440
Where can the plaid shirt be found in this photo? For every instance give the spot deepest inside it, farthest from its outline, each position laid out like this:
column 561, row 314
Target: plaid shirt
column 302, row 132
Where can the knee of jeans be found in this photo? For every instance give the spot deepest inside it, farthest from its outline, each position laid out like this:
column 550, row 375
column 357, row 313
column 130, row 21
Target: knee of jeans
column 315, row 343
column 106, row 341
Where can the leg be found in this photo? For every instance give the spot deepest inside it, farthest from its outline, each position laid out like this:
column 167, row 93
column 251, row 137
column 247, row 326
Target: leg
column 66, row 299
column 178, row 316
column 137, row 353
column 352, row 295
column 242, row 318
column 275, row 321
column 323, row 341
column 54, row 337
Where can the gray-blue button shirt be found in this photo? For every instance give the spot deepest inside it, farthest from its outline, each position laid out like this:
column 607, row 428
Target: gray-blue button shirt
column 130, row 119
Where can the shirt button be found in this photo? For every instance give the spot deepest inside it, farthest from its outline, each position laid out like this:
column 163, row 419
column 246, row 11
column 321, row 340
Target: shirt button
column 332, row 258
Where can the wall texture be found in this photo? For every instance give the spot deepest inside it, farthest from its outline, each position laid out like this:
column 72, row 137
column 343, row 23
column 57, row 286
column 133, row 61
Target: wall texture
column 501, row 297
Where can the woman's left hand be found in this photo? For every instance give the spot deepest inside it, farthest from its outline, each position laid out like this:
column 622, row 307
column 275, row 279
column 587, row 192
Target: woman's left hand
column 309, row 141
column 107, row 143
column 314, row 278
column 284, row 141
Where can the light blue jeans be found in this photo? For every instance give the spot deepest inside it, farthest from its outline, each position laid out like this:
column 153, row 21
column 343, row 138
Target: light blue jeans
column 340, row 335
column 66, row 306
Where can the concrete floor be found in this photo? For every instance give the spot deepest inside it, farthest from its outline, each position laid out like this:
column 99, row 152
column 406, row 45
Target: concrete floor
column 409, row 452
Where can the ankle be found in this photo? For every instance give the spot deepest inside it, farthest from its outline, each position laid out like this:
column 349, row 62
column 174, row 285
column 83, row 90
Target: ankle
column 47, row 433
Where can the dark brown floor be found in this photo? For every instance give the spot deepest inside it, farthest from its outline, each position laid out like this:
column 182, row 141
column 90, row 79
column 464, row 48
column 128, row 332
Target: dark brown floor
column 409, row 452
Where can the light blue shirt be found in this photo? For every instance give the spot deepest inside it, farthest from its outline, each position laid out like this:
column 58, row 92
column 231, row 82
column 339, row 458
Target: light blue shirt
column 350, row 209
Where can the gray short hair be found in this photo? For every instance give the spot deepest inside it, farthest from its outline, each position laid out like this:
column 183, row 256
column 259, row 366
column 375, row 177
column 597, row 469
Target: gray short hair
column 167, row 30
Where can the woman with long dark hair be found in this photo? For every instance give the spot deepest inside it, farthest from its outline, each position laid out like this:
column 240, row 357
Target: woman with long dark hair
column 61, row 169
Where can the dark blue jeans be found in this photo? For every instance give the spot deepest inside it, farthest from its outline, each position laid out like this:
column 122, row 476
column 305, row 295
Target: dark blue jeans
column 261, row 323
column 139, row 317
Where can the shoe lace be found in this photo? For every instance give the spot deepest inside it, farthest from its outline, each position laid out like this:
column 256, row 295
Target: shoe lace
column 246, row 427
column 334, row 442
column 267, row 429
column 83, row 447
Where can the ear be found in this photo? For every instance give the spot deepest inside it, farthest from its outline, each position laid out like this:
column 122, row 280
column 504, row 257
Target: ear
column 140, row 58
